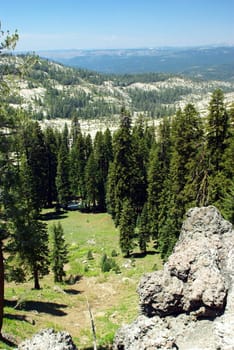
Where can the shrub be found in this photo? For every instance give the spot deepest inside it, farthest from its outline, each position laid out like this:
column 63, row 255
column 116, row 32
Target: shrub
column 108, row 264
column 90, row 255
column 114, row 253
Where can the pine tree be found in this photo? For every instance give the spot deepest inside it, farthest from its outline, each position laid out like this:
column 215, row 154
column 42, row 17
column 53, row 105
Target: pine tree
column 36, row 252
column 187, row 138
column 121, row 175
column 88, row 146
column 140, row 154
column 91, row 181
column 52, row 155
column 62, row 178
column 103, row 155
column 181, row 183
column 127, row 228
column 77, row 167
column 75, row 129
column 36, row 164
column 158, row 173
column 217, row 130
column 29, row 240
column 102, row 169
column 65, row 137
column 219, row 151
column 143, row 230
column 107, row 140
column 59, row 252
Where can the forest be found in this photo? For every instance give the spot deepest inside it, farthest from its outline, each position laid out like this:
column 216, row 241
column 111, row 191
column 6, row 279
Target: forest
column 145, row 177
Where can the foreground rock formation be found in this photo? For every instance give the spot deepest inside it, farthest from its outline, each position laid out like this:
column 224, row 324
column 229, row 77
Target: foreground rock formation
column 189, row 305
column 48, row 339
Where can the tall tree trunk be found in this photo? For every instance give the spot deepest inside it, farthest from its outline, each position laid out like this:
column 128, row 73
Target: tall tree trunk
column 36, row 279
column 1, row 287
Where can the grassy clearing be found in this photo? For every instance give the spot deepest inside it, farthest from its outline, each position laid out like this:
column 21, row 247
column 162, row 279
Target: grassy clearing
column 112, row 297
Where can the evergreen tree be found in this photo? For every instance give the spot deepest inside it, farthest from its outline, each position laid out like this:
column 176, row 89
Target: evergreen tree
column 182, row 180
column 103, row 156
column 36, row 164
column 59, row 252
column 75, row 129
column 227, row 202
column 110, row 190
column 31, row 243
column 158, row 173
column 65, row 137
column 107, row 140
column 217, row 130
column 218, row 150
column 52, row 155
column 187, row 138
column 88, row 146
column 121, row 174
column 140, row 158
column 29, row 238
column 77, row 167
column 62, row 178
column 143, row 229
column 91, row 181
column 127, row 228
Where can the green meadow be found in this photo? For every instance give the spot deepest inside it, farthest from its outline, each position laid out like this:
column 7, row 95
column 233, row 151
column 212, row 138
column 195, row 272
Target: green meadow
column 111, row 295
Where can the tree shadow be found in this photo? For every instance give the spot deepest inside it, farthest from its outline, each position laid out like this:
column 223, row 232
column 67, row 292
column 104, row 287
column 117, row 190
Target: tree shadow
column 53, row 216
column 39, row 306
column 72, row 291
column 143, row 255
column 17, row 317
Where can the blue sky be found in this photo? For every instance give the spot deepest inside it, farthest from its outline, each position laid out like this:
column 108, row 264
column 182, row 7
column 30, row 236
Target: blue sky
column 102, row 24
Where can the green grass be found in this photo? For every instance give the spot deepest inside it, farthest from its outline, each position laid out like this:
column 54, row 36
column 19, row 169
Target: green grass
column 112, row 296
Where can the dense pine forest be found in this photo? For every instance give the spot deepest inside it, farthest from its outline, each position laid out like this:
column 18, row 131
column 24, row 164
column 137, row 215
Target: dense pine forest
column 146, row 177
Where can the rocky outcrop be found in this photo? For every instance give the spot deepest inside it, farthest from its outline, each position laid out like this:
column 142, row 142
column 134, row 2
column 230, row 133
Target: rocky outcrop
column 190, row 303
column 48, row 339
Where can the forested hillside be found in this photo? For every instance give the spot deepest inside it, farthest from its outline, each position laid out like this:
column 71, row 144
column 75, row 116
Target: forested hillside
column 50, row 90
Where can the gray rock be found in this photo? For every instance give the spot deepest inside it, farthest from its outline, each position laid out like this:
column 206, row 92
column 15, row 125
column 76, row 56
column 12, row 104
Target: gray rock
column 191, row 301
column 48, row 339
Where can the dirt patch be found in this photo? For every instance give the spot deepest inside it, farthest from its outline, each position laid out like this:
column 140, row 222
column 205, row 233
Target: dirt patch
column 104, row 297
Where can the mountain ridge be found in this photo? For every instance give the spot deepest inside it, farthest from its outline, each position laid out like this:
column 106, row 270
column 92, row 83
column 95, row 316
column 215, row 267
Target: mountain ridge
column 50, row 90
column 208, row 62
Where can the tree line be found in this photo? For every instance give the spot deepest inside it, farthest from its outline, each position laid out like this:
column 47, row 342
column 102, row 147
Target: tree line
column 153, row 181
column 146, row 178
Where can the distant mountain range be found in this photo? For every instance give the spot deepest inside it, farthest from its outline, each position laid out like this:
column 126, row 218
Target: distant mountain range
column 203, row 62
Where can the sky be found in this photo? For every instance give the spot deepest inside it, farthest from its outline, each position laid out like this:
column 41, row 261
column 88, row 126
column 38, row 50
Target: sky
column 114, row 24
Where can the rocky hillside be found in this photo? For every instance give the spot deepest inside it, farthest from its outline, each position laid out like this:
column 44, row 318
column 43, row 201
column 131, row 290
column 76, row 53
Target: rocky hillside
column 190, row 303
column 48, row 90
